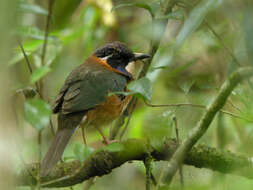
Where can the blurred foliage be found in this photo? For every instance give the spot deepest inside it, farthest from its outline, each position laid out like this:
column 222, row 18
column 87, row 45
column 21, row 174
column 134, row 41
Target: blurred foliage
column 37, row 113
column 192, row 62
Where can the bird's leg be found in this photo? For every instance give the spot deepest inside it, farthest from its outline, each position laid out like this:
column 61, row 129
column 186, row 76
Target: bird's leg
column 82, row 124
column 83, row 135
column 106, row 140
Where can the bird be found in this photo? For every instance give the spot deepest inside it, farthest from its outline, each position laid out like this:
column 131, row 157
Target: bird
column 84, row 98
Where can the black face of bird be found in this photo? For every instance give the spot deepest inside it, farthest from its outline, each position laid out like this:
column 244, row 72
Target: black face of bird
column 118, row 55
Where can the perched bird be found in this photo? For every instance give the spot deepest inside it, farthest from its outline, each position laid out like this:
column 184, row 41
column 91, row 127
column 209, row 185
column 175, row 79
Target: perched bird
column 83, row 99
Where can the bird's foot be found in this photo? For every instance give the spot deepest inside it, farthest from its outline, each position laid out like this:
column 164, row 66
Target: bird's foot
column 106, row 141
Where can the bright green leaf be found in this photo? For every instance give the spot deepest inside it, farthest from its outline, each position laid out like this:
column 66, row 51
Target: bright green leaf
column 34, row 33
column 141, row 88
column 16, row 58
column 39, row 73
column 37, row 113
column 53, row 50
column 82, row 152
column 114, row 147
column 140, row 5
column 30, row 8
column 29, row 47
column 31, row 31
column 194, row 20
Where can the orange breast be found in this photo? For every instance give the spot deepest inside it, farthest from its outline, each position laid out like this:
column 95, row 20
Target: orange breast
column 106, row 112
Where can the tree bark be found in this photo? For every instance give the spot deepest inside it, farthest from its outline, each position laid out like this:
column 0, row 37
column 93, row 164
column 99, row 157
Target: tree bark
column 104, row 160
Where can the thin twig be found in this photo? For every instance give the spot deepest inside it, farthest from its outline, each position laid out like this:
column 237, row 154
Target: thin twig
column 222, row 43
column 148, row 166
column 28, row 65
column 177, row 137
column 234, row 106
column 52, row 127
column 202, row 126
column 44, row 49
column 197, row 106
column 25, row 56
column 129, row 118
column 39, row 158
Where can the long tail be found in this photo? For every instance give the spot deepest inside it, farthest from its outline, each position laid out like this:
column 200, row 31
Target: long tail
column 56, row 150
column 67, row 125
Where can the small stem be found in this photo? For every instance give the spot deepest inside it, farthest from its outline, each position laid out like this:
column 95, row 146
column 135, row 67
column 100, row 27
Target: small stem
column 222, row 43
column 197, row 106
column 28, row 65
column 83, row 136
column 25, row 56
column 39, row 159
column 129, row 118
column 44, row 49
column 202, row 126
column 148, row 166
column 52, row 127
column 177, row 137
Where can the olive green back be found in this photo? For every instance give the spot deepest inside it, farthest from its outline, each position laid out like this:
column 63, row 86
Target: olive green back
column 87, row 86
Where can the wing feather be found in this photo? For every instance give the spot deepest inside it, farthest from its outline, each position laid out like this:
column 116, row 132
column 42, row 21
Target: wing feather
column 87, row 86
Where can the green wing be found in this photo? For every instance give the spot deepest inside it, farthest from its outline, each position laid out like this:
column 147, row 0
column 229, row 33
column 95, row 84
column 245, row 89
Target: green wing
column 87, row 87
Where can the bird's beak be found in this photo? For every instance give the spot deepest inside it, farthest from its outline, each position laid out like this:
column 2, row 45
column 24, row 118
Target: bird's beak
column 140, row 56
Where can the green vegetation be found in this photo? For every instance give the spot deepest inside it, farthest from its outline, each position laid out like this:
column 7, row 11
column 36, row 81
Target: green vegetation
column 186, row 88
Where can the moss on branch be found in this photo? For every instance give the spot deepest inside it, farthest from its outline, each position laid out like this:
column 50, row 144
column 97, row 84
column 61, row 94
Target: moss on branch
column 204, row 123
column 103, row 161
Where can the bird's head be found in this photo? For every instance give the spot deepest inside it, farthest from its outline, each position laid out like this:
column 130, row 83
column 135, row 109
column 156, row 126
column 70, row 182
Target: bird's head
column 118, row 56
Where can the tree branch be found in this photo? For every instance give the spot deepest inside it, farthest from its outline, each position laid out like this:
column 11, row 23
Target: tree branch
column 103, row 161
column 154, row 46
column 206, row 120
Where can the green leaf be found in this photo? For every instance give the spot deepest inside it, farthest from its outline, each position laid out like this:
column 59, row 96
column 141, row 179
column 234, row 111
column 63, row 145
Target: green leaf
column 140, row 5
column 82, row 152
column 53, row 49
column 39, row 73
column 30, row 8
column 37, row 112
column 18, row 57
column 32, row 32
column 194, row 20
column 141, row 88
column 114, row 147
column 29, row 47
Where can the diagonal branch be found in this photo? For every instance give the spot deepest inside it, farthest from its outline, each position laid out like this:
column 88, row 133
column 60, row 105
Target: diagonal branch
column 103, row 161
column 154, row 46
column 206, row 120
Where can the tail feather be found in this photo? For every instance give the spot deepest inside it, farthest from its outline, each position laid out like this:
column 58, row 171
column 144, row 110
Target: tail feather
column 56, row 150
column 67, row 124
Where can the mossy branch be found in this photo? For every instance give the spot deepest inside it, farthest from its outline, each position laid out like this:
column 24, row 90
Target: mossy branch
column 206, row 120
column 103, row 161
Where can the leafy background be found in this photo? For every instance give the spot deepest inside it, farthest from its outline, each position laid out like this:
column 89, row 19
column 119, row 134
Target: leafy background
column 204, row 42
